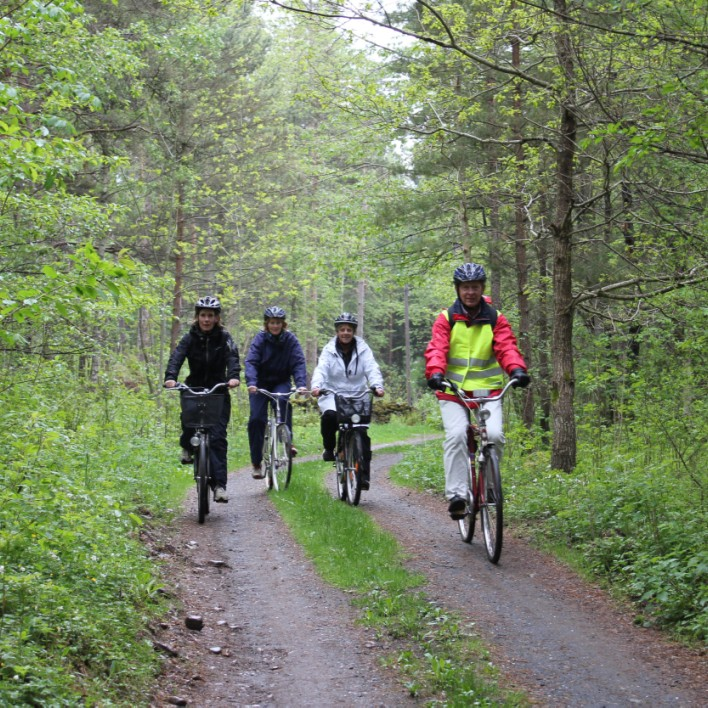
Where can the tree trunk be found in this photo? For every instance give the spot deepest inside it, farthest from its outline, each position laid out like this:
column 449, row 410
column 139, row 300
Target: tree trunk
column 407, row 344
column 520, row 238
column 360, row 303
column 179, row 271
column 563, row 453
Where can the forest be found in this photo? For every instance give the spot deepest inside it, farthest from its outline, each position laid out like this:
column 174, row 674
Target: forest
column 327, row 156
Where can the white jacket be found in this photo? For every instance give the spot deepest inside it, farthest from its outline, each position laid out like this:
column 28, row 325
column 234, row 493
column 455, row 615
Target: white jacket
column 330, row 372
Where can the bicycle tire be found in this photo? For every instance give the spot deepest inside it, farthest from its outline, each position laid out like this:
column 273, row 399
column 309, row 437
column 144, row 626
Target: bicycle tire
column 467, row 522
column 491, row 504
column 340, row 474
column 267, row 460
column 354, row 462
column 202, row 479
column 283, row 458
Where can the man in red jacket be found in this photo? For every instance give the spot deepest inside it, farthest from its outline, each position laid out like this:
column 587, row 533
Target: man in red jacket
column 472, row 345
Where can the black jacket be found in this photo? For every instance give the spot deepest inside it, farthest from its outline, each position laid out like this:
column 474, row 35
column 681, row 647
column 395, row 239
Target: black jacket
column 212, row 358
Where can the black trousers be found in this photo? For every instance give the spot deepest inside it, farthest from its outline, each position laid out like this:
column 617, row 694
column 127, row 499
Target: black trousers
column 329, row 427
column 218, row 444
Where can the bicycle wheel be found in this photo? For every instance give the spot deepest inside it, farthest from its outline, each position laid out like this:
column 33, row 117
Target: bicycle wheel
column 267, row 460
column 202, row 479
column 467, row 522
column 491, row 504
column 340, row 473
column 354, row 462
column 283, row 458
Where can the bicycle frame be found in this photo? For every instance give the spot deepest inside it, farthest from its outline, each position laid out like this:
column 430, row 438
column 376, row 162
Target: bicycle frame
column 485, row 488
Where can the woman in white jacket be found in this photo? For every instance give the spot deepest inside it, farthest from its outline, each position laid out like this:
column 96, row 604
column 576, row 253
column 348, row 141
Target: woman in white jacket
column 346, row 364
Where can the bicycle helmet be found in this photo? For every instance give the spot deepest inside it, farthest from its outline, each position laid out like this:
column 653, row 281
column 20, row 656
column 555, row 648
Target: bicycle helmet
column 469, row 272
column 277, row 312
column 346, row 318
column 208, row 302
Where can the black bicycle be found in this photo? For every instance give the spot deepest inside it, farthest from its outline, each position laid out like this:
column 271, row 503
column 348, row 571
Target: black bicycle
column 201, row 410
column 484, row 493
column 353, row 418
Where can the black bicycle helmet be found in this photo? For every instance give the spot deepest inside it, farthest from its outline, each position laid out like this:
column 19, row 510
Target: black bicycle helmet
column 277, row 312
column 208, row 302
column 468, row 272
column 346, row 318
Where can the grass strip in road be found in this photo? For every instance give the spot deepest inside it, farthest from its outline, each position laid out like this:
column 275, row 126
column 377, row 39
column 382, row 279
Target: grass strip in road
column 436, row 653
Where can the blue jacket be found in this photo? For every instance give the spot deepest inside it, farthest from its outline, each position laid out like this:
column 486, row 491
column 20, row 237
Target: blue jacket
column 272, row 361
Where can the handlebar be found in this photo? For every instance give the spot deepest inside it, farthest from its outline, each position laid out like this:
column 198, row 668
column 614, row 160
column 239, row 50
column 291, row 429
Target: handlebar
column 283, row 394
column 350, row 394
column 201, row 391
column 478, row 399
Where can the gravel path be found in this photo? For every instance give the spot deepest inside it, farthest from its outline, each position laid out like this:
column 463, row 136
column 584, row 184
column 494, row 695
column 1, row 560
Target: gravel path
column 275, row 635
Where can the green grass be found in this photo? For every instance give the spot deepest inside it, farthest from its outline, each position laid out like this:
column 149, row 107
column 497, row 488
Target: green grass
column 437, row 655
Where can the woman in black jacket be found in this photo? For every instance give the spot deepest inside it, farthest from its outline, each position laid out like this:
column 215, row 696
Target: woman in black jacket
column 213, row 358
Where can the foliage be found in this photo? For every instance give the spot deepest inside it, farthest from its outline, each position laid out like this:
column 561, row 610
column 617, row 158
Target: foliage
column 78, row 484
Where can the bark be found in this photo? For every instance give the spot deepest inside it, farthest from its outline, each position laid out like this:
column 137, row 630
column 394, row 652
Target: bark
column 360, row 304
column 520, row 240
column 179, row 271
column 563, row 453
column 407, row 345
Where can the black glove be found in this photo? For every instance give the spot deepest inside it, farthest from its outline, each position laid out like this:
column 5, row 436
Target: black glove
column 522, row 378
column 436, row 382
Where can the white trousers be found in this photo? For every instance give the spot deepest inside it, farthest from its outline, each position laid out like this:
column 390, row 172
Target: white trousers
column 455, row 454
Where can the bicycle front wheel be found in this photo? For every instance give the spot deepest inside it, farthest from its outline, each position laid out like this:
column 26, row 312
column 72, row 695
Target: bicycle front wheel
column 283, row 458
column 202, row 479
column 467, row 522
column 491, row 504
column 354, row 463
column 340, row 471
column 267, row 460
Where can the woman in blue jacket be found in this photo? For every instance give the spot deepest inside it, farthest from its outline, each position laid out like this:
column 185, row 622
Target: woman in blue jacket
column 274, row 358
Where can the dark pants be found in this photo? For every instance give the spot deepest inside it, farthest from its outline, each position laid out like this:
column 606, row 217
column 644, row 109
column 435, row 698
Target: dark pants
column 218, row 445
column 259, row 417
column 329, row 427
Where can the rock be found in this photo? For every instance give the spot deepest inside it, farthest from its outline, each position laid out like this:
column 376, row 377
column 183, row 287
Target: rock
column 195, row 622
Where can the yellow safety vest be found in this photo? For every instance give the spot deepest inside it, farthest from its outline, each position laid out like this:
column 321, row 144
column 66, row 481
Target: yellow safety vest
column 471, row 363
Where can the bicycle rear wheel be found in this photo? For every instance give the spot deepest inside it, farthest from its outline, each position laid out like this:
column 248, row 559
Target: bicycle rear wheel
column 491, row 504
column 467, row 522
column 354, row 463
column 267, row 460
column 283, row 458
column 202, row 478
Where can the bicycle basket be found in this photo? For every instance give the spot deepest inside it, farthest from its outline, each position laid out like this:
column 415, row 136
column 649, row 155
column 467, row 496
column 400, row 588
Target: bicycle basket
column 353, row 406
column 201, row 411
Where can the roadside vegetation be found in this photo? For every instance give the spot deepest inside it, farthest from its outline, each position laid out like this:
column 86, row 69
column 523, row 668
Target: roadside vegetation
column 82, row 473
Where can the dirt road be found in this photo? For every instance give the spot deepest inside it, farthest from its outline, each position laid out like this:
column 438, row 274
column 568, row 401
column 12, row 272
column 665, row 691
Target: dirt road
column 275, row 635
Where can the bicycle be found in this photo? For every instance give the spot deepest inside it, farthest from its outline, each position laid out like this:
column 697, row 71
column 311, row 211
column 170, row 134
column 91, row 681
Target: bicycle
column 201, row 409
column 353, row 417
column 277, row 443
column 484, row 493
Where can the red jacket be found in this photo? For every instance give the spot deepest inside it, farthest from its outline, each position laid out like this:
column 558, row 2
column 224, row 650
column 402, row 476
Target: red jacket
column 504, row 343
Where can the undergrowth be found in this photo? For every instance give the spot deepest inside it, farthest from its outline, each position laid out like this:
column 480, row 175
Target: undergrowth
column 81, row 473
